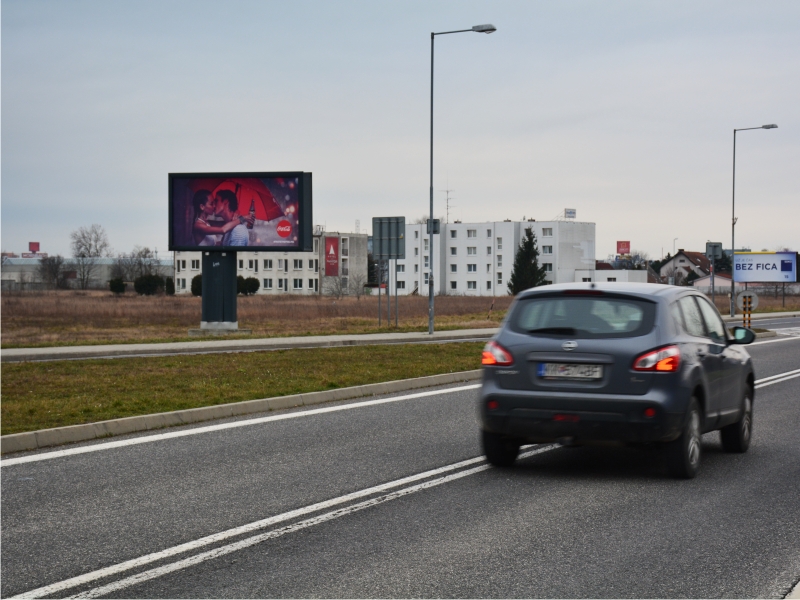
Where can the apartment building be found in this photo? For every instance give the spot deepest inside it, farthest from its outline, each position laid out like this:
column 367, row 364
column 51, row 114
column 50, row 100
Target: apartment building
column 292, row 272
column 478, row 258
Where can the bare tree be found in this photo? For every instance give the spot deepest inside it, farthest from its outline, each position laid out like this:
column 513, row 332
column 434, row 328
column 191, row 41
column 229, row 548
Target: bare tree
column 88, row 244
column 640, row 259
column 142, row 261
column 357, row 282
column 678, row 274
column 52, row 271
column 333, row 286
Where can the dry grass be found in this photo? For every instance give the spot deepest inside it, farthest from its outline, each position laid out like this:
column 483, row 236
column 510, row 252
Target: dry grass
column 54, row 394
column 767, row 303
column 95, row 317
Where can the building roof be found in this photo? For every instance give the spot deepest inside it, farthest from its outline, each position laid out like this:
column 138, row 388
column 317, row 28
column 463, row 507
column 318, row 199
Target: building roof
column 601, row 265
column 697, row 258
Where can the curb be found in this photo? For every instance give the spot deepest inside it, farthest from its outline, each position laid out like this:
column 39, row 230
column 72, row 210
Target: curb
column 46, row 438
column 766, row 334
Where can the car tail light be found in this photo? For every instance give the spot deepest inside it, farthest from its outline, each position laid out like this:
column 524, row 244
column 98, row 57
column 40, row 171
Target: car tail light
column 495, row 355
column 663, row 360
column 492, row 405
column 649, row 413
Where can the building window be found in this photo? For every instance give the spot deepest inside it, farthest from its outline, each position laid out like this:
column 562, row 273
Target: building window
column 453, row 250
column 195, row 265
column 611, row 279
column 416, row 268
column 268, row 284
column 416, row 235
column 488, row 233
column 268, row 263
column 280, row 264
column 310, row 264
column 499, row 279
column 499, row 260
column 488, row 268
column 499, row 243
column 311, row 284
column 298, row 264
column 453, row 268
column 472, row 251
column 471, row 233
column 316, row 247
column 426, row 261
column 488, row 250
column 241, row 263
column 453, row 285
column 250, row 265
column 453, row 233
column 586, row 279
column 488, row 285
column 280, row 284
column 416, row 251
column 548, row 267
column 425, row 278
column 472, row 268
column 547, row 232
column 401, row 285
column 401, row 268
column 682, row 261
column 425, row 244
column 472, row 285
column 547, row 249
column 298, row 284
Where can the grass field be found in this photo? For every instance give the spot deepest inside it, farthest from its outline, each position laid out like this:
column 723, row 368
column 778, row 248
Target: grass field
column 95, row 317
column 53, row 394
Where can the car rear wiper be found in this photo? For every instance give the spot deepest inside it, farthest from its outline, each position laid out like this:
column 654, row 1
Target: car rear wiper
column 555, row 330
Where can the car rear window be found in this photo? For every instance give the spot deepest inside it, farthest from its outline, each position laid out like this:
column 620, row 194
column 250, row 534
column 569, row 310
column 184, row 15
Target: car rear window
column 584, row 316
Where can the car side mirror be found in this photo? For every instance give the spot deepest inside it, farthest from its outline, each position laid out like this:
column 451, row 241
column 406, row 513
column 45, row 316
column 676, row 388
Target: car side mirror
column 743, row 335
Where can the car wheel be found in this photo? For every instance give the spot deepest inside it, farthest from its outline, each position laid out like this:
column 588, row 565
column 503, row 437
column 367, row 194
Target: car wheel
column 736, row 436
column 500, row 451
column 683, row 454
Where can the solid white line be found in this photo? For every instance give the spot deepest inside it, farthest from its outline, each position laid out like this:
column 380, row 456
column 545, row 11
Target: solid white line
column 209, row 428
column 775, row 340
column 759, row 386
column 257, row 539
column 760, row 381
column 249, row 528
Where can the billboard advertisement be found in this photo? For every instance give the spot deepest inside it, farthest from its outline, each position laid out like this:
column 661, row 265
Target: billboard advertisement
column 765, row 267
column 623, row 247
column 33, row 246
column 331, row 257
column 237, row 211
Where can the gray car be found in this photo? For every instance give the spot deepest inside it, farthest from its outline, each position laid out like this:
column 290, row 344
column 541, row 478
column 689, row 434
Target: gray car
column 617, row 362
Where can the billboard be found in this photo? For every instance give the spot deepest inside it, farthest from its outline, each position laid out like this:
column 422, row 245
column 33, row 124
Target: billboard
column 331, row 256
column 623, row 247
column 570, row 213
column 765, row 267
column 388, row 238
column 33, row 246
column 234, row 211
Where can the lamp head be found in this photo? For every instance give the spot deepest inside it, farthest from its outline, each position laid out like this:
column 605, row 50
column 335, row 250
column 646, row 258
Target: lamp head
column 488, row 28
column 772, row 126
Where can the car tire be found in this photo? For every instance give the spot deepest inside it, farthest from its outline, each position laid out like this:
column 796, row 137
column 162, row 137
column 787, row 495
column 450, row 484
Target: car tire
column 500, row 451
column 683, row 454
column 736, row 436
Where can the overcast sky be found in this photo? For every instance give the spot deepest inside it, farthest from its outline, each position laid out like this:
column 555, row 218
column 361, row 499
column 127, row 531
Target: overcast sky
column 622, row 110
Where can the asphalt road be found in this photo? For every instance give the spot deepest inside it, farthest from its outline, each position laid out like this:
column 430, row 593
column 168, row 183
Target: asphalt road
column 392, row 499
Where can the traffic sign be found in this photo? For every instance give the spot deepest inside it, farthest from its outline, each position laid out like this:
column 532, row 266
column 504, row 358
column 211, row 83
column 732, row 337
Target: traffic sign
column 753, row 299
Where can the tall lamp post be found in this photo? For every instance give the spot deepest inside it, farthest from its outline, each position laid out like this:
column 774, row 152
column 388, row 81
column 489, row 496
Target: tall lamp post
column 733, row 214
column 478, row 29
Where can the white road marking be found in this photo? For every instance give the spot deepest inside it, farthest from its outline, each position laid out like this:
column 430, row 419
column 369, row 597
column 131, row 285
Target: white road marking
column 765, row 384
column 257, row 525
column 209, row 428
column 787, row 373
column 788, row 338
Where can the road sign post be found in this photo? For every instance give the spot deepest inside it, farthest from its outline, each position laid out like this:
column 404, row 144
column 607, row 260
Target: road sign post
column 388, row 243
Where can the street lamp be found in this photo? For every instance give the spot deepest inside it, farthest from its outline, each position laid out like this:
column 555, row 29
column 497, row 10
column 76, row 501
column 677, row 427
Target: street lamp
column 733, row 212
column 478, row 29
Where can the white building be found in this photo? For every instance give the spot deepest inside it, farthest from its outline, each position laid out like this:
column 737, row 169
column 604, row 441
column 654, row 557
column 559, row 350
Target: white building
column 289, row 272
column 478, row 258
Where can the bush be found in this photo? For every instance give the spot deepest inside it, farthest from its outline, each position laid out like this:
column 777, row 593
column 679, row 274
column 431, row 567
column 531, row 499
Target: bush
column 197, row 285
column 251, row 285
column 117, row 285
column 169, row 287
column 148, row 285
column 240, row 285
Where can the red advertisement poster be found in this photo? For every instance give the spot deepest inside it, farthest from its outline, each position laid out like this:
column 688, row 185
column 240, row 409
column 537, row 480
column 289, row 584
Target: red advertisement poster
column 623, row 247
column 331, row 257
column 33, row 246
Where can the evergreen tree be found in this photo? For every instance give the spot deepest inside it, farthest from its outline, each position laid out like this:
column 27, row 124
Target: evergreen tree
column 527, row 273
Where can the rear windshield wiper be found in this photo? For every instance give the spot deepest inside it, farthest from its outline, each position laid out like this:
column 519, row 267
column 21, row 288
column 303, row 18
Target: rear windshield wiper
column 555, row 330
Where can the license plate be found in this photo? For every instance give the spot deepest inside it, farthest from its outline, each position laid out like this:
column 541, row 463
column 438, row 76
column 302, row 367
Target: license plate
column 570, row 371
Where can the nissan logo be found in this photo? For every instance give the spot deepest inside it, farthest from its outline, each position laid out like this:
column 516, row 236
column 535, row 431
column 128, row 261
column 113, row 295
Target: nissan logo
column 569, row 346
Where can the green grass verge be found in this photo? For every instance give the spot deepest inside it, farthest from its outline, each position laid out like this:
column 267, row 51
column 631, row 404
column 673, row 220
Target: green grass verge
column 54, row 394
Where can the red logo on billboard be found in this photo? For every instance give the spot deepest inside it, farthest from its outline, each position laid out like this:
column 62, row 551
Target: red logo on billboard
column 623, row 247
column 284, row 228
column 331, row 257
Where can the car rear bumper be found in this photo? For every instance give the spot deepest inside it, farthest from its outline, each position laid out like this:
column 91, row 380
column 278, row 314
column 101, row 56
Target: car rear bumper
column 540, row 417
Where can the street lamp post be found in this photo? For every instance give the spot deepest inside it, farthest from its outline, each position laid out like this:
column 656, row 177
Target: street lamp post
column 478, row 29
column 733, row 214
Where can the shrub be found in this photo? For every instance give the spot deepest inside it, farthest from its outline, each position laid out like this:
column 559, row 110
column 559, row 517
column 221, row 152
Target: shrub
column 197, row 285
column 148, row 285
column 251, row 285
column 169, row 287
column 117, row 285
column 240, row 285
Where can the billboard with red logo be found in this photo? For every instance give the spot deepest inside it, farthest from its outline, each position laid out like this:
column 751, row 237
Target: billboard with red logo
column 331, row 256
column 240, row 211
column 623, row 247
column 33, row 246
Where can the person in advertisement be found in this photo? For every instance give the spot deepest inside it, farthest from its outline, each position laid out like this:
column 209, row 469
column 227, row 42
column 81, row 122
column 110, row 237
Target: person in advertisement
column 227, row 205
column 208, row 230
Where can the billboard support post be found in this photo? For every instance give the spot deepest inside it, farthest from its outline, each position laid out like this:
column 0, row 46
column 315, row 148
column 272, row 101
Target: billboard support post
column 388, row 242
column 395, row 294
column 219, row 292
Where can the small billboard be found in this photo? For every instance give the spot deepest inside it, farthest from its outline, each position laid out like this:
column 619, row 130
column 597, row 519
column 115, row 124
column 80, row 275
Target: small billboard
column 623, row 248
column 765, row 267
column 234, row 211
column 331, row 256
column 33, row 246
column 570, row 213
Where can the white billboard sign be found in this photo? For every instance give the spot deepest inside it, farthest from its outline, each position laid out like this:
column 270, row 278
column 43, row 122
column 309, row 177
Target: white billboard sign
column 765, row 267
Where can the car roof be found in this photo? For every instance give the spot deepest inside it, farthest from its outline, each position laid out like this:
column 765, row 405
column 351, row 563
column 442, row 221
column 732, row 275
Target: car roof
column 650, row 290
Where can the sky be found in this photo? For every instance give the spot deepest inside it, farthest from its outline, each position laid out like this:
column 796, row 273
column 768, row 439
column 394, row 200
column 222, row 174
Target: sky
column 623, row 111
